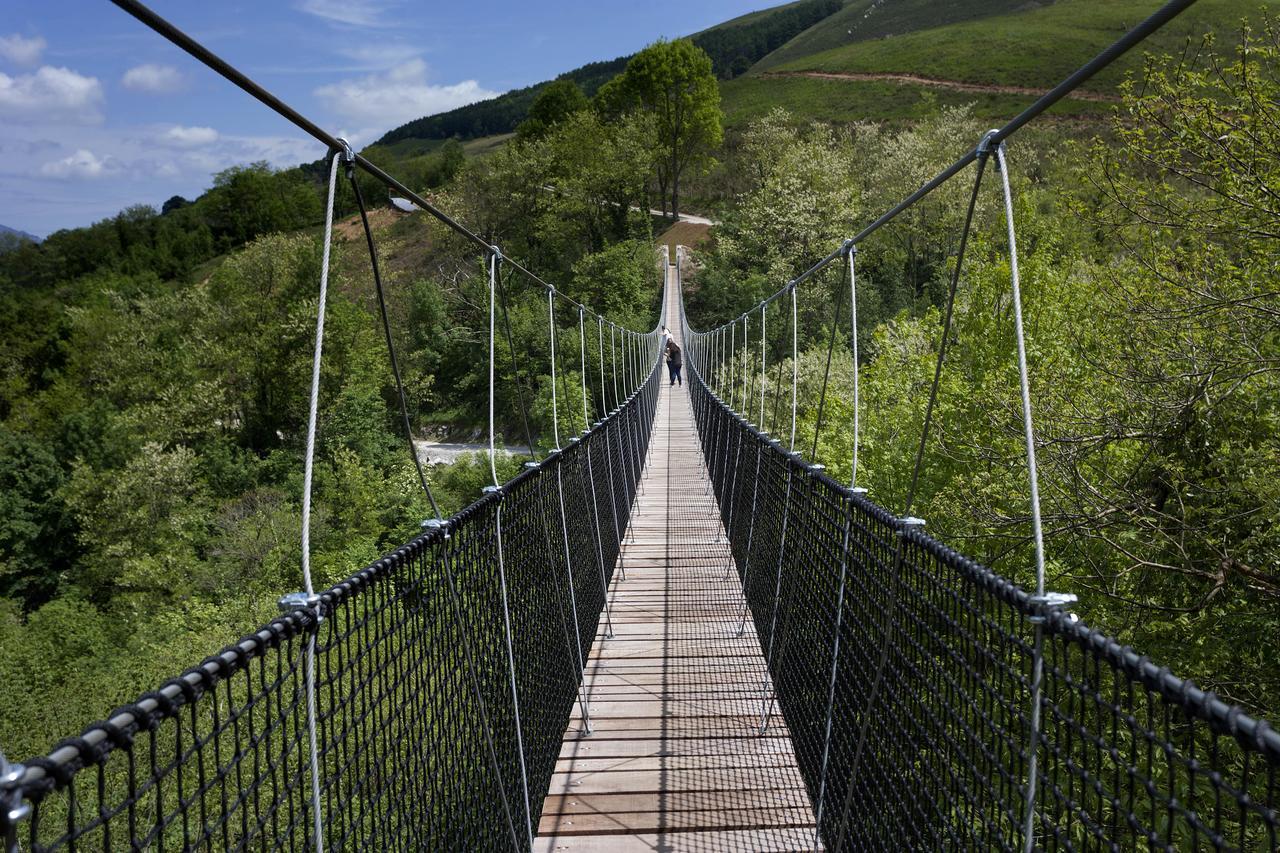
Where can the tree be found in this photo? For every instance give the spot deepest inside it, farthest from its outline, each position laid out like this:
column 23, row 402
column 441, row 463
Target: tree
column 673, row 81
column 556, row 102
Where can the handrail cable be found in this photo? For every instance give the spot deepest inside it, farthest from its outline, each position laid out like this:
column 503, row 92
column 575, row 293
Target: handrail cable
column 220, row 66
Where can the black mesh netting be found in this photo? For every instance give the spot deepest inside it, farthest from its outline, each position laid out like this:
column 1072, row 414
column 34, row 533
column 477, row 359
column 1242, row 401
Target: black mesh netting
column 411, row 660
column 936, row 756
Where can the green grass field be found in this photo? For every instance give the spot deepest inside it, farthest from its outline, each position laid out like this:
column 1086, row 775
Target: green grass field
column 749, row 98
column 1036, row 48
column 863, row 20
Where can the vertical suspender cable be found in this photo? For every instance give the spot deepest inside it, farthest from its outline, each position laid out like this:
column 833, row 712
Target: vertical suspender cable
column 737, row 457
column 583, row 697
column 908, row 523
column 494, row 256
column 844, row 552
column 767, row 695
column 591, row 477
column 1037, row 665
column 853, row 326
column 608, row 455
column 391, row 349
column 755, row 482
column 308, row 467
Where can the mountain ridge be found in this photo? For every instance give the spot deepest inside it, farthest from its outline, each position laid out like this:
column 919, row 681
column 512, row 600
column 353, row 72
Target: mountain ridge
column 6, row 231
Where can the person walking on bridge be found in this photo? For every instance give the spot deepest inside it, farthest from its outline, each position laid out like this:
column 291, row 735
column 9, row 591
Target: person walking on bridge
column 674, row 363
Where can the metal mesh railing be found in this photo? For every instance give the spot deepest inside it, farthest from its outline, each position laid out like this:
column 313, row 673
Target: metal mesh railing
column 933, row 753
column 416, row 724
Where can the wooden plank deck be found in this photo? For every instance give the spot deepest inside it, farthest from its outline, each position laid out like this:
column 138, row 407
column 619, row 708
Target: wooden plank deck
column 675, row 760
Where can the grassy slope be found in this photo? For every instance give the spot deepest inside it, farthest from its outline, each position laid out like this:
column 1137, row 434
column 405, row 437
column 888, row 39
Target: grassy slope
column 748, row 18
column 1037, row 47
column 749, row 98
column 862, row 20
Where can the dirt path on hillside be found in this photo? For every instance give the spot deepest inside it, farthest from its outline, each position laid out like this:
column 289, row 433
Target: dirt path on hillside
column 954, row 85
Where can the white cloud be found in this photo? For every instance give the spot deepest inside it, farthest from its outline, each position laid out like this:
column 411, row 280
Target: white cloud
column 22, row 51
column 379, row 57
column 51, row 94
column 82, row 164
column 190, row 137
column 355, row 13
column 402, row 94
column 157, row 79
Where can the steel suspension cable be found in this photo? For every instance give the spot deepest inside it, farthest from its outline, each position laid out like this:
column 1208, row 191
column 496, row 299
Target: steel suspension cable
column 909, row 522
column 1029, row 436
column 608, row 456
column 768, row 695
column 755, row 481
column 311, row 600
column 826, row 372
column 391, row 347
column 495, row 255
column 591, row 477
column 583, row 695
column 524, row 410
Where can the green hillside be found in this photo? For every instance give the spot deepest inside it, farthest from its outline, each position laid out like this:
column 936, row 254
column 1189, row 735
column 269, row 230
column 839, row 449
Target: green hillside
column 863, row 20
column 1037, row 47
column 995, row 54
column 734, row 46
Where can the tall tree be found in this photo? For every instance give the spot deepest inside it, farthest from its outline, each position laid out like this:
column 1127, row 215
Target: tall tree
column 556, row 102
column 673, row 81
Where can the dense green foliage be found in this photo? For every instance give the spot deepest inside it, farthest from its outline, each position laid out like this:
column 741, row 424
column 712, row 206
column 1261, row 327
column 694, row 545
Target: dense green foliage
column 737, row 45
column 1148, row 271
column 153, row 367
column 671, row 82
column 555, row 103
column 153, row 396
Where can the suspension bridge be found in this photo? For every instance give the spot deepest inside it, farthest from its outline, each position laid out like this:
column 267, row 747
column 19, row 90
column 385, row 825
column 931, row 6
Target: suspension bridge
column 672, row 632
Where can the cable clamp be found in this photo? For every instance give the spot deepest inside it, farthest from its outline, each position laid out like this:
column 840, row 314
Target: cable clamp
column 531, row 466
column 984, row 146
column 348, row 156
column 1049, row 600
column 909, row 523
column 857, row 491
column 16, row 809
column 495, row 252
column 295, row 601
column 848, row 248
column 490, row 490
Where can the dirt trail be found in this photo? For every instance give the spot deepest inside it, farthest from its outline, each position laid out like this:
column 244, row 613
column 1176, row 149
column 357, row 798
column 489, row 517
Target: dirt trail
column 954, row 85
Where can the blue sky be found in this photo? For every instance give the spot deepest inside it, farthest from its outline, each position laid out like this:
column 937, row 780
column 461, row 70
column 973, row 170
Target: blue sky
column 98, row 113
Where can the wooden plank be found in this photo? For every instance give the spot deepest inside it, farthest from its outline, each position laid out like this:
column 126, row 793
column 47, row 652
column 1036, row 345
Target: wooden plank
column 772, row 840
column 658, row 802
column 675, row 759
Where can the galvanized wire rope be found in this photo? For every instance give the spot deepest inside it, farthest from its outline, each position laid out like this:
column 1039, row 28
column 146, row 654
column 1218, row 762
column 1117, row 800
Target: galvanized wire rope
column 495, row 255
column 311, row 602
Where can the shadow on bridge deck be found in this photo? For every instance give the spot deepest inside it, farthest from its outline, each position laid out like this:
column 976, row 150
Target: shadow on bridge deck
column 676, row 760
